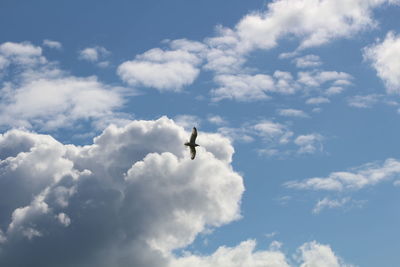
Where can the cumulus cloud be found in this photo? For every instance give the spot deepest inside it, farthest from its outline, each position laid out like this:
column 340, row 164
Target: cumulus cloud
column 42, row 96
column 314, row 254
column 22, row 54
column 52, row 44
column 96, row 54
column 165, row 70
column 130, row 198
column 313, row 22
column 385, row 58
column 246, row 255
column 243, row 255
column 367, row 175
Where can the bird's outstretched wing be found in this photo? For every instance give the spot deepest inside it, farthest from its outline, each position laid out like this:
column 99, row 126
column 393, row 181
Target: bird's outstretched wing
column 193, row 152
column 193, row 136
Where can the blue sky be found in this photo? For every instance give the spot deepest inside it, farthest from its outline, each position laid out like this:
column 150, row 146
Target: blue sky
column 297, row 107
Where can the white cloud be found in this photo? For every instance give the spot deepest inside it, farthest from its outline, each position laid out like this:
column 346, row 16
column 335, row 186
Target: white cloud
column 289, row 112
column 385, row 58
column 363, row 101
column 310, row 254
column 216, row 119
column 242, row 87
column 52, row 44
column 42, row 96
column 276, row 139
column 308, row 61
column 165, row 70
column 187, row 121
column 366, row 175
column 236, row 134
column 329, row 203
column 273, row 132
column 309, row 143
column 243, row 255
column 318, row 78
column 334, row 90
column 128, row 199
column 64, row 219
column 57, row 102
column 93, row 54
column 314, row 22
column 313, row 254
column 317, row 100
column 246, row 87
column 96, row 54
column 22, row 54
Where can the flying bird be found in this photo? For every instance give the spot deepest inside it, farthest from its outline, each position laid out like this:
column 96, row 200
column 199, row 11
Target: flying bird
column 192, row 143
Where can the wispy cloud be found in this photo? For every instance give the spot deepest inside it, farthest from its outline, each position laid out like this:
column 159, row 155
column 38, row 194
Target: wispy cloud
column 366, row 175
column 308, row 61
column 289, row 112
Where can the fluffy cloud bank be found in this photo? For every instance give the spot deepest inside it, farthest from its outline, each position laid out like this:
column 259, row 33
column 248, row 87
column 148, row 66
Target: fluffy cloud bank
column 132, row 196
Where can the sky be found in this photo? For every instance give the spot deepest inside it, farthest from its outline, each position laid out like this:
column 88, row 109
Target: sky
column 297, row 108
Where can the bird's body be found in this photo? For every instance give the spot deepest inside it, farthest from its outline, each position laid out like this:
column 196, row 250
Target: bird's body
column 192, row 143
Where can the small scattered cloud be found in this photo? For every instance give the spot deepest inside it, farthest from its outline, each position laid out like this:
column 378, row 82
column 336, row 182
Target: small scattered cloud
column 329, row 203
column 317, row 101
column 217, row 120
column 271, row 235
column 344, row 202
column 289, row 112
column 364, row 101
column 52, row 44
column 309, row 144
column 95, row 54
column 334, row 90
column 308, row 61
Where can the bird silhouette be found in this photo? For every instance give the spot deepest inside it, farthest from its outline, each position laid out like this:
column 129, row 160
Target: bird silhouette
column 192, row 143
